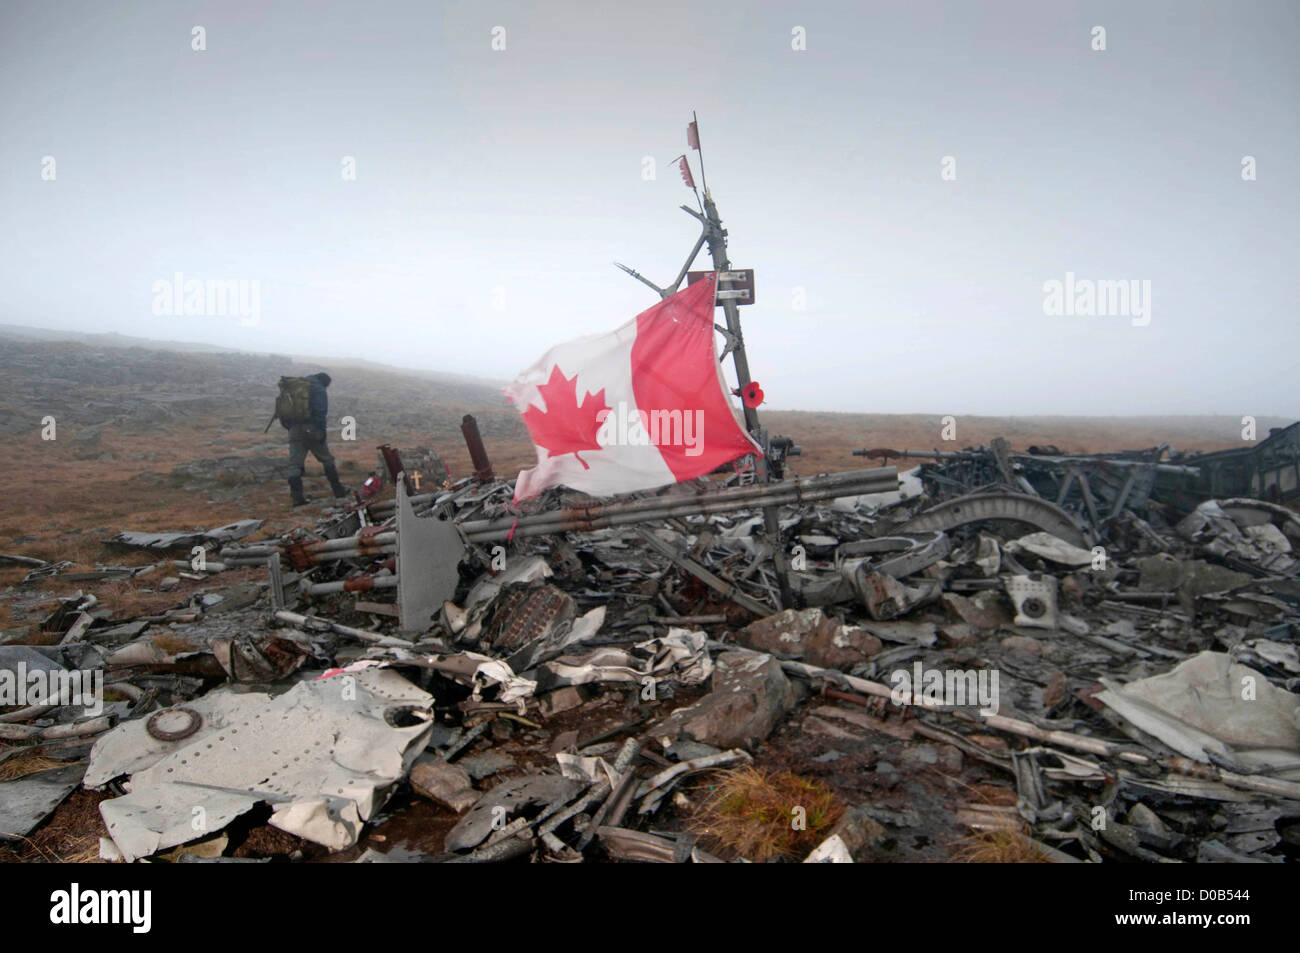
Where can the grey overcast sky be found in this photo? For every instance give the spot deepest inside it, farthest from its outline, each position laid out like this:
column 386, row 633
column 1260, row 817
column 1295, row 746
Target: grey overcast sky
column 493, row 188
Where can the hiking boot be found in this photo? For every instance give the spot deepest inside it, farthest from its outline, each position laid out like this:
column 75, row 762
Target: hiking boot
column 332, row 474
column 295, row 491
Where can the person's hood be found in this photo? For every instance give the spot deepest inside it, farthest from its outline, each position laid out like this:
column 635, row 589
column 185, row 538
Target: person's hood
column 322, row 378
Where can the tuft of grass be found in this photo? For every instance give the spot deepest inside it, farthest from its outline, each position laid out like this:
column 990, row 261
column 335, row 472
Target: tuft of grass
column 998, row 847
column 126, row 600
column 86, row 853
column 12, row 575
column 175, row 644
column 753, row 813
column 23, row 765
column 69, row 836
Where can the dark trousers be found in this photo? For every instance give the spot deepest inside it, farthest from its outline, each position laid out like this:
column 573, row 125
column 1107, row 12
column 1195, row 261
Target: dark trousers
column 303, row 439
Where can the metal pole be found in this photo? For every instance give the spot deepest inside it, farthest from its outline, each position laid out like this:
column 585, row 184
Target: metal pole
column 581, row 519
column 477, row 452
column 783, row 493
column 849, row 483
column 353, row 584
column 699, row 147
column 717, row 239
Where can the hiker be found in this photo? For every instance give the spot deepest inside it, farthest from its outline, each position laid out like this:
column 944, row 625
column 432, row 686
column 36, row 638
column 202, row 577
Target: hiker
column 302, row 408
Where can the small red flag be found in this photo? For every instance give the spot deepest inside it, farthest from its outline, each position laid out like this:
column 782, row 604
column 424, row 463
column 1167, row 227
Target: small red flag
column 693, row 136
column 686, row 172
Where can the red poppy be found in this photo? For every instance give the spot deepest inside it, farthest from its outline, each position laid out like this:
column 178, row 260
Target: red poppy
column 752, row 394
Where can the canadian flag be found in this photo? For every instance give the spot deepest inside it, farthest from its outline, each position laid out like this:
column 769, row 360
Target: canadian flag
column 653, row 408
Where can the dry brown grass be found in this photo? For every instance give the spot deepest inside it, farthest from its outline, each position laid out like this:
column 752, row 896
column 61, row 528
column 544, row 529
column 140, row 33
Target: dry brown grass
column 126, row 599
column 82, row 551
column 829, row 439
column 751, row 812
column 995, row 794
column 38, row 637
column 12, row 575
column 23, row 765
column 55, row 493
column 86, row 853
column 66, row 508
column 175, row 644
column 136, row 558
column 998, row 847
column 62, row 507
column 60, row 493
column 69, row 836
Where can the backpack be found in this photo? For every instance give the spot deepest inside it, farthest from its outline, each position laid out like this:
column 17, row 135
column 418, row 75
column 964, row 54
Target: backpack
column 293, row 404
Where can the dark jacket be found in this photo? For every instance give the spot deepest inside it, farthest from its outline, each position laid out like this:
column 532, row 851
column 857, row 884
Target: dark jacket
column 319, row 402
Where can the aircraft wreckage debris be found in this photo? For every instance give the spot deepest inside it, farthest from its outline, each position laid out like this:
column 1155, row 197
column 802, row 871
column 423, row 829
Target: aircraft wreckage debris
column 550, row 677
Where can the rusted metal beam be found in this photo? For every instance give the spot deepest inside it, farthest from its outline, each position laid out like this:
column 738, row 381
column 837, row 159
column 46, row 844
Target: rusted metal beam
column 605, row 515
column 477, row 452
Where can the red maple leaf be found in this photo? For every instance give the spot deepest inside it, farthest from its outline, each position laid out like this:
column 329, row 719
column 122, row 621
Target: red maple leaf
column 564, row 427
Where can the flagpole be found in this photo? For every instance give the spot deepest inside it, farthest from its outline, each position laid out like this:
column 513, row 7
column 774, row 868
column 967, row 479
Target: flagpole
column 716, row 236
column 717, row 239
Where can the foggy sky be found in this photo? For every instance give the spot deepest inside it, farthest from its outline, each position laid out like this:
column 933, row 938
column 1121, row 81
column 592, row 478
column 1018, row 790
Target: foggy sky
column 494, row 188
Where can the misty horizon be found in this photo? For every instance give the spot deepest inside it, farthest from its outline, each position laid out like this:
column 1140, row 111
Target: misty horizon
column 910, row 187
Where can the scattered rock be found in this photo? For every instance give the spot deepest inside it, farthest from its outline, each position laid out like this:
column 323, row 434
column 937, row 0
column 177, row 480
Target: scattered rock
column 684, row 750
column 811, row 636
column 1142, row 817
column 564, row 699
column 1023, row 643
column 447, row 784
column 750, row 694
column 919, row 755
column 855, row 838
column 887, row 775
column 236, row 597
column 950, row 759
column 485, row 764
column 958, row 634
column 985, row 613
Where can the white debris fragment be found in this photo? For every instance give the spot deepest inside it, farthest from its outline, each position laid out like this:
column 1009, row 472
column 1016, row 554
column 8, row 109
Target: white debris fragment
column 324, row 755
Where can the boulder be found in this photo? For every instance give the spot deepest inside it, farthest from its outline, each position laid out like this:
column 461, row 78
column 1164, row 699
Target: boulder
column 444, row 783
column 749, row 697
column 810, row 636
